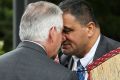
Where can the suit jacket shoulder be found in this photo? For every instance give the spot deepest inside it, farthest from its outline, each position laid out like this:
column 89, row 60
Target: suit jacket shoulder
column 105, row 45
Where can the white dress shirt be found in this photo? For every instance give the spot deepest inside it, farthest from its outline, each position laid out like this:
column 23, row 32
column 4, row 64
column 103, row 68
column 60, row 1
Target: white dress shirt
column 87, row 59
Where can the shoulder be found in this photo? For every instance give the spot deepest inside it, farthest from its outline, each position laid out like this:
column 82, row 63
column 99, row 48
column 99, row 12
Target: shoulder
column 9, row 59
column 8, row 63
column 111, row 43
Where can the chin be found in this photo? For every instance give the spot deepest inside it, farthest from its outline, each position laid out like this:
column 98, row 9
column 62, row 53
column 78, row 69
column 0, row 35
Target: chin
column 66, row 52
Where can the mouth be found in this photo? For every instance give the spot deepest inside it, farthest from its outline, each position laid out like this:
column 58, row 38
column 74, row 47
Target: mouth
column 66, row 45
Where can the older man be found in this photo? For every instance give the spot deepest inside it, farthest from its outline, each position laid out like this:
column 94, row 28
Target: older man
column 40, row 32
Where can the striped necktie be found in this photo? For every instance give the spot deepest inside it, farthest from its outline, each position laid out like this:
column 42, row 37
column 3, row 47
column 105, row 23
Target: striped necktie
column 80, row 71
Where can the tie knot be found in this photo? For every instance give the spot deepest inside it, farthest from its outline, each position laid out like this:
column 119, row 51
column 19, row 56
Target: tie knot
column 79, row 66
column 80, row 71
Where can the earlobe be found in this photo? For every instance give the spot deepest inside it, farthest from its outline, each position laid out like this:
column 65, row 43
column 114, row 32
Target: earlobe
column 91, row 28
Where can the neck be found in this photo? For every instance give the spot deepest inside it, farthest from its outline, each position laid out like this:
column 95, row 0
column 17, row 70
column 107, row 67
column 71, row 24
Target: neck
column 51, row 53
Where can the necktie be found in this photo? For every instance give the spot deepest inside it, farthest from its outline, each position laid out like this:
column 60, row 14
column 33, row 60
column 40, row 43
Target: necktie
column 80, row 71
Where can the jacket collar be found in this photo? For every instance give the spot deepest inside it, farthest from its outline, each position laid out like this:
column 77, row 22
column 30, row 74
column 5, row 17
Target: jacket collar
column 32, row 45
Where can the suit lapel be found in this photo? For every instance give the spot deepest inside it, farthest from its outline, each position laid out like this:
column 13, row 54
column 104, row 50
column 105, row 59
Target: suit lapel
column 101, row 49
column 105, row 45
column 70, row 64
column 67, row 61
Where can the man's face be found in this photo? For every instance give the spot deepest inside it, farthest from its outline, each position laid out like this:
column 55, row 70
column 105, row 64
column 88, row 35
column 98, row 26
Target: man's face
column 76, row 36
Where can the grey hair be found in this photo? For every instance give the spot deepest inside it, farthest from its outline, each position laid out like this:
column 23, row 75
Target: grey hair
column 38, row 19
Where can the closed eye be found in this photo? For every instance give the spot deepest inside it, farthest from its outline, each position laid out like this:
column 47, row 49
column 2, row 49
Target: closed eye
column 67, row 30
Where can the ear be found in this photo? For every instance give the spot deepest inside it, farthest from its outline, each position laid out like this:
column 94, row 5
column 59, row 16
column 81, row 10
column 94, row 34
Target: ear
column 52, row 34
column 91, row 29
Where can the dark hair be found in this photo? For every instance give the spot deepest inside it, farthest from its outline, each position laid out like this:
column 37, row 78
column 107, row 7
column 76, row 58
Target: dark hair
column 80, row 9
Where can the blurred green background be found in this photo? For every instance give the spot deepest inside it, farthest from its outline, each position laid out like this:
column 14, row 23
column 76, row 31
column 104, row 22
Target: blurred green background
column 107, row 13
column 5, row 25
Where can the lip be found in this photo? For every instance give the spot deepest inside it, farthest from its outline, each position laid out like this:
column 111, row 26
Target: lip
column 66, row 46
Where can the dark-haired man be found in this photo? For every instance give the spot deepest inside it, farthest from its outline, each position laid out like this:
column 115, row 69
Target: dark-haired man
column 83, row 41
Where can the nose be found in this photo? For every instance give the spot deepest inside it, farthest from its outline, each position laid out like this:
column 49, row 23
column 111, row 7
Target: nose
column 63, row 37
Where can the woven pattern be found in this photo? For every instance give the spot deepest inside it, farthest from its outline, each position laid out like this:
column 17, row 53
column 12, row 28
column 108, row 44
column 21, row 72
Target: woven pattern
column 106, row 67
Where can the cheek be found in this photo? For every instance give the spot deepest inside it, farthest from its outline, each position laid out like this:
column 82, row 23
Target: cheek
column 78, row 39
column 59, row 39
column 71, row 36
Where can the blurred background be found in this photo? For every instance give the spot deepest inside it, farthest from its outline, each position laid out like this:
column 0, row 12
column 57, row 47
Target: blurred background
column 107, row 13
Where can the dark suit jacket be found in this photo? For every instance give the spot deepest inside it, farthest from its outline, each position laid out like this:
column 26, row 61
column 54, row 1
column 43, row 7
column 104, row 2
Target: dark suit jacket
column 30, row 62
column 105, row 45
